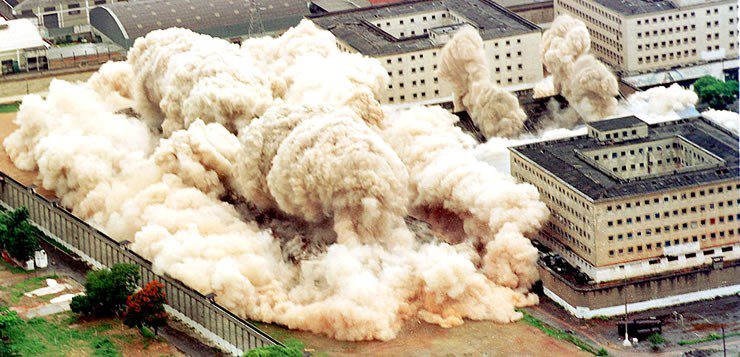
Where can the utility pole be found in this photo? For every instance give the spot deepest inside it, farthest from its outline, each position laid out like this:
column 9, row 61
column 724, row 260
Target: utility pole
column 724, row 346
column 255, row 20
column 626, row 341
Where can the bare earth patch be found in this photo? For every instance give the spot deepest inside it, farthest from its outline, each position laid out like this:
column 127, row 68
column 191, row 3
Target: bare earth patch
column 422, row 339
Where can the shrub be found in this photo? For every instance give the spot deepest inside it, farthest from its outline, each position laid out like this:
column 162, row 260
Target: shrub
column 106, row 291
column 146, row 307
column 17, row 235
column 716, row 93
column 656, row 339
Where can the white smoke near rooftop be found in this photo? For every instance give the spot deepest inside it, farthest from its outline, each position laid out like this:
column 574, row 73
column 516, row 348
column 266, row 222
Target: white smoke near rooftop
column 495, row 111
column 584, row 81
column 326, row 165
column 727, row 119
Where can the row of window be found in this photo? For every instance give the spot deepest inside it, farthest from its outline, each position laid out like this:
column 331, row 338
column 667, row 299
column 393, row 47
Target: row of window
column 676, row 227
column 413, row 70
column 574, row 242
column 675, row 197
column 412, row 20
column 414, row 95
column 669, row 43
column 669, row 56
column 676, row 212
column 412, row 57
column 413, row 83
column 649, row 247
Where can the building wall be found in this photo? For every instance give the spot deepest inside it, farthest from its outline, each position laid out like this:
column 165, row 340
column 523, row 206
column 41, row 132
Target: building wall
column 669, row 230
column 672, row 289
column 646, row 42
column 572, row 216
column 514, row 61
column 636, row 236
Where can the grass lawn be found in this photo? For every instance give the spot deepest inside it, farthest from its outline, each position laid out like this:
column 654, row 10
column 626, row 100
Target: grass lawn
column 17, row 290
column 54, row 337
column 560, row 334
column 9, row 107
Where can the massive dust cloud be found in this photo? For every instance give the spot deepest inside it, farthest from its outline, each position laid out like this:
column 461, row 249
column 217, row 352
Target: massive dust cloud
column 583, row 80
column 178, row 148
column 494, row 110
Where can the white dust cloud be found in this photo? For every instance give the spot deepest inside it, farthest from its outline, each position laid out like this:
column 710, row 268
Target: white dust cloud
column 495, row 111
column 727, row 119
column 583, row 80
column 312, row 147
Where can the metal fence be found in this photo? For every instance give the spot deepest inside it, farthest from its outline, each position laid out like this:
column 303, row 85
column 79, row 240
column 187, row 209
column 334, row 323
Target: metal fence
column 228, row 331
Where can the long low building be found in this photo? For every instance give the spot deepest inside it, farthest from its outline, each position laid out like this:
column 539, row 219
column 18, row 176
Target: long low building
column 407, row 38
column 21, row 46
column 122, row 23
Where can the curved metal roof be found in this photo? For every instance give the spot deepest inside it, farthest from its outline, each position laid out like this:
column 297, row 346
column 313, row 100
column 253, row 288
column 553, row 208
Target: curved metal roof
column 218, row 18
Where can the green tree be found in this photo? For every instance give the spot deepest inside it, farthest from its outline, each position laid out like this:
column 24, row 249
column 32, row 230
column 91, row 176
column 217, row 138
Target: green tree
column 716, row 93
column 17, row 235
column 146, row 307
column 106, row 291
column 8, row 319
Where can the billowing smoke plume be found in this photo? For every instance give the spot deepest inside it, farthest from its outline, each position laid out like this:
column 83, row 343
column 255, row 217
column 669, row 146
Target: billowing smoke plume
column 584, row 81
column 494, row 110
column 344, row 164
column 659, row 104
column 495, row 210
column 729, row 120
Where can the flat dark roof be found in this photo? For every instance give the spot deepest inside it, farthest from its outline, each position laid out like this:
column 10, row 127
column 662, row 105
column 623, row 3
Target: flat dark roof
column 356, row 26
column 617, row 123
column 559, row 158
column 636, row 7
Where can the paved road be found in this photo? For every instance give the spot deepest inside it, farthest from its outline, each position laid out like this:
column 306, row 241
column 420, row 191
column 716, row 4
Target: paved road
column 602, row 334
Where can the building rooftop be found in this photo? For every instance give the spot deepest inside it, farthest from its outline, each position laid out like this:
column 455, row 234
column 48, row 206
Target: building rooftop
column 124, row 22
column 561, row 159
column 356, row 27
column 19, row 34
column 636, row 7
column 617, row 123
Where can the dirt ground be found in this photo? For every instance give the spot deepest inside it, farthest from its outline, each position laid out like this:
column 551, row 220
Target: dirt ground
column 25, row 177
column 474, row 338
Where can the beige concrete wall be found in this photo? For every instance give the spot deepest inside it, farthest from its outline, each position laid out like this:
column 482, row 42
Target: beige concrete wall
column 607, row 295
column 690, row 34
column 630, row 230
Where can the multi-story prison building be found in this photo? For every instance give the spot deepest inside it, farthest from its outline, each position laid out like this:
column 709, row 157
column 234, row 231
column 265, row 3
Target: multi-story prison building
column 631, row 199
column 407, row 38
column 637, row 36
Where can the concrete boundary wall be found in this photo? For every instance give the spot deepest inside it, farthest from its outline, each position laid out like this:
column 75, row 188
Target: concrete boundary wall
column 643, row 294
column 215, row 323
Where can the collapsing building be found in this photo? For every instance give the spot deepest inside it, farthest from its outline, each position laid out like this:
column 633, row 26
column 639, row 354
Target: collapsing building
column 407, row 39
column 649, row 204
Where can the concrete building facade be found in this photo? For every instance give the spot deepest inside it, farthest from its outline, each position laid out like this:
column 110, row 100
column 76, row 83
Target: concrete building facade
column 631, row 199
column 638, row 36
column 407, row 39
